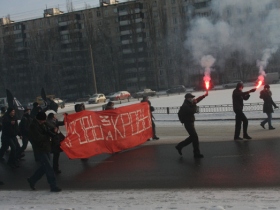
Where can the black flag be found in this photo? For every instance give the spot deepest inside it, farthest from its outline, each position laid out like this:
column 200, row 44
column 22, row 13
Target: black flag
column 15, row 104
column 49, row 102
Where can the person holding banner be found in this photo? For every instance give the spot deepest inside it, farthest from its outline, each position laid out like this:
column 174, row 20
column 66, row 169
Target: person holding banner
column 40, row 135
column 53, row 124
column 109, row 105
column 146, row 99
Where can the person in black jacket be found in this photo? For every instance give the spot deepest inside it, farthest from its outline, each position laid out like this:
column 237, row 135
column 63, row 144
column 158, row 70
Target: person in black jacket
column 146, row 99
column 24, row 128
column 10, row 131
column 237, row 99
column 53, row 124
column 40, row 134
column 266, row 94
column 189, row 108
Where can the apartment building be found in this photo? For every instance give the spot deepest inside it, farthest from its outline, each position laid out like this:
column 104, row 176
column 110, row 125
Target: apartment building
column 116, row 46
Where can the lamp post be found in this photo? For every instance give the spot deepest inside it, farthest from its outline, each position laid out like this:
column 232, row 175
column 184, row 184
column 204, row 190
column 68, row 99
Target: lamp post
column 93, row 71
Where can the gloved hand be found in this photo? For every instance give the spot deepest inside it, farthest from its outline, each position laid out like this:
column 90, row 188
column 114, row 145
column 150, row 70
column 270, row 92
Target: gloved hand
column 253, row 90
column 206, row 94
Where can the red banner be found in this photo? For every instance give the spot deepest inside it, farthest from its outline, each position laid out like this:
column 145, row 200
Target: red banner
column 91, row 133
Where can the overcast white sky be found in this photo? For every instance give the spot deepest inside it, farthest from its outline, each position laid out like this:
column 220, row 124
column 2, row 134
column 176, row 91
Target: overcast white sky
column 28, row 9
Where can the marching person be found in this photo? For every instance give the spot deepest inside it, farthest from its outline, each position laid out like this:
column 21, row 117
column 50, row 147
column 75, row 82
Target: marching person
column 189, row 109
column 237, row 99
column 10, row 131
column 24, row 128
column 37, row 108
column 268, row 105
column 146, row 99
column 53, row 124
column 39, row 132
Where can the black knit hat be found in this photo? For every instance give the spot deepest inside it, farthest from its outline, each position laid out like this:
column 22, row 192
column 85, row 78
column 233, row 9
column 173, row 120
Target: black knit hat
column 35, row 104
column 239, row 85
column 41, row 116
column 266, row 86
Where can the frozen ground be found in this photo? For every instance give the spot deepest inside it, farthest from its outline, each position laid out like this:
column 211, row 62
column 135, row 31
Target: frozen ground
column 189, row 199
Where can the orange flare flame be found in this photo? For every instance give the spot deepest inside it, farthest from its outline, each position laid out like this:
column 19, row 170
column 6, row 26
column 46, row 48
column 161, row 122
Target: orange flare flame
column 259, row 84
column 207, row 85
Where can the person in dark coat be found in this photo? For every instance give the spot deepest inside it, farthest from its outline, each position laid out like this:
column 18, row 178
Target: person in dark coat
column 268, row 105
column 24, row 128
column 39, row 132
column 109, row 105
column 37, row 108
column 237, row 99
column 146, row 99
column 10, row 131
column 53, row 124
column 190, row 108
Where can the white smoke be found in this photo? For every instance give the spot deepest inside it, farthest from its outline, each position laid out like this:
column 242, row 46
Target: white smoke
column 207, row 62
column 247, row 27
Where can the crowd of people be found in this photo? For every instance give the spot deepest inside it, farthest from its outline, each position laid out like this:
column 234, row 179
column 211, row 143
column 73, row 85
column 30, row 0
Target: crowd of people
column 42, row 131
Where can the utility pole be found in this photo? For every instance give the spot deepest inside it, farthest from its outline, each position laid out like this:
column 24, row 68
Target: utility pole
column 93, row 71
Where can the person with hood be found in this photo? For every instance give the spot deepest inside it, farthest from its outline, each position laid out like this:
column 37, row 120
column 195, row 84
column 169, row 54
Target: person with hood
column 189, row 108
column 146, row 99
column 10, row 131
column 268, row 105
column 24, row 128
column 53, row 124
column 39, row 132
column 237, row 100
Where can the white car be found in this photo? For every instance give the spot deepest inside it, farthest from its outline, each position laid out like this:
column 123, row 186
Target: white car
column 97, row 98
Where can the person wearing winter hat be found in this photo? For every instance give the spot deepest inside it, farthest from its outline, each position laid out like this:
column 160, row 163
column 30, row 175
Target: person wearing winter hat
column 36, row 109
column 40, row 136
column 237, row 100
column 188, row 109
column 268, row 105
column 10, row 131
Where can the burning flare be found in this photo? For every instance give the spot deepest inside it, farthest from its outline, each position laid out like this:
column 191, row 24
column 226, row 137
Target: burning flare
column 260, row 82
column 207, row 85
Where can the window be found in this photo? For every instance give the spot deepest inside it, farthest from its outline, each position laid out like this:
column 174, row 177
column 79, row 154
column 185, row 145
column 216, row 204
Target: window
column 98, row 14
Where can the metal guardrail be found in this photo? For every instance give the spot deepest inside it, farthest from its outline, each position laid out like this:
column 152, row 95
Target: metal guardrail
column 213, row 108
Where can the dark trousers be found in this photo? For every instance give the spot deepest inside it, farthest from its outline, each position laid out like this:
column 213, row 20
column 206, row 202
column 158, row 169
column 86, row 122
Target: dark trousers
column 239, row 118
column 34, row 152
column 154, row 129
column 24, row 144
column 45, row 168
column 193, row 138
column 267, row 120
column 11, row 142
column 55, row 160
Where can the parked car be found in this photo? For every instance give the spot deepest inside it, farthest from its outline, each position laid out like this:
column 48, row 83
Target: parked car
column 231, row 84
column 145, row 92
column 97, row 98
column 177, row 89
column 121, row 95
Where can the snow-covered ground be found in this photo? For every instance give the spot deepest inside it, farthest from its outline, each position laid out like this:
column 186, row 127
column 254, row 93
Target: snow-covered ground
column 190, row 199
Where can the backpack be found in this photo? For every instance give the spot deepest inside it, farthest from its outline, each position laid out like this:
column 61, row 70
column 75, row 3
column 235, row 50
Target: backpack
column 182, row 114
